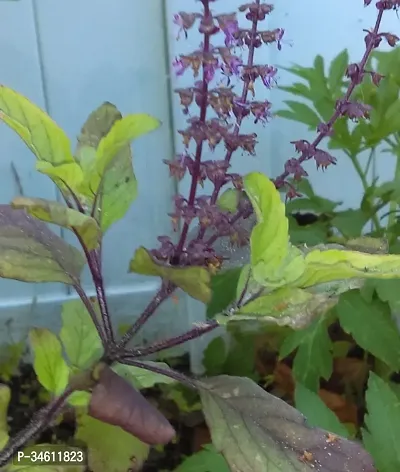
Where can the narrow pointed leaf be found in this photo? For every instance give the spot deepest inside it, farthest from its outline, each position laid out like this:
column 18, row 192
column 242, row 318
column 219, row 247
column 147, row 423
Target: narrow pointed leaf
column 42, row 135
column 30, row 252
column 313, row 358
column 382, row 433
column 317, row 413
column 195, row 281
column 257, row 432
column 59, row 214
column 371, row 325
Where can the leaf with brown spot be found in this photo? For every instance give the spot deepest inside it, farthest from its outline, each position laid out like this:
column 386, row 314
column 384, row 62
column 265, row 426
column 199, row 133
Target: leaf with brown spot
column 31, row 252
column 257, row 432
column 116, row 402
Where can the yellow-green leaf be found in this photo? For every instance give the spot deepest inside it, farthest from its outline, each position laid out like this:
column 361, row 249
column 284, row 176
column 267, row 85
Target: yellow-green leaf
column 55, row 212
column 285, row 307
column 323, row 266
column 142, row 378
column 49, row 364
column 41, row 134
column 195, row 281
column 105, row 155
column 269, row 240
column 229, row 200
column 110, row 448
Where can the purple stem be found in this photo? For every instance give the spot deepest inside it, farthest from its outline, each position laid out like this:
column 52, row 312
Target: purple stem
column 173, row 374
column 196, row 332
column 39, row 422
column 236, row 130
column 94, row 262
column 280, row 180
column 199, row 147
column 165, row 291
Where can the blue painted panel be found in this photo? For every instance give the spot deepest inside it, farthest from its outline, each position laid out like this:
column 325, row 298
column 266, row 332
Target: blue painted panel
column 20, row 69
column 101, row 50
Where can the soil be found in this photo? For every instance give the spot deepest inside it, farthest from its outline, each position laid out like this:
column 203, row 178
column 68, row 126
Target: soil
column 28, row 396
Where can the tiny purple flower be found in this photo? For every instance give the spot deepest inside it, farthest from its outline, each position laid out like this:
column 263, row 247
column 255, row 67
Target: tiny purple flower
column 178, row 66
column 267, row 74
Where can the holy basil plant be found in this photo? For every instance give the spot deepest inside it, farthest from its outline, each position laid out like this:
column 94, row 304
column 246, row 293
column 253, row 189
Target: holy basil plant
column 85, row 366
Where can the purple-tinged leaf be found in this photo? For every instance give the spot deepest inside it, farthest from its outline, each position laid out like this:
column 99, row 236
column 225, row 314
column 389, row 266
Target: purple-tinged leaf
column 31, row 252
column 116, row 402
column 257, row 432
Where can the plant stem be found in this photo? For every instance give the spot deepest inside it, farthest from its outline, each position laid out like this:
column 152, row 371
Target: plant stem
column 365, row 184
column 165, row 291
column 199, row 147
column 280, row 180
column 98, row 281
column 198, row 330
column 173, row 374
column 93, row 315
column 40, row 421
column 236, row 130
column 94, row 262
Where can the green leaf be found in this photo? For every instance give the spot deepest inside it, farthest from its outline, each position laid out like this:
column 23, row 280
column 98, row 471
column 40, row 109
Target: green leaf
column 79, row 336
column 337, row 70
column 54, row 212
column 317, row 413
column 142, row 378
column 285, row 306
column 382, row 436
column 195, row 281
column 214, row 356
column 325, row 265
column 110, row 448
column 313, row 204
column 371, row 326
column 310, row 235
column 49, row 364
column 223, row 289
column 30, row 252
column 5, row 397
column 298, row 89
column 300, row 112
column 350, row 222
column 206, row 460
column 314, row 354
column 229, row 200
column 257, row 432
column 42, row 135
column 106, row 158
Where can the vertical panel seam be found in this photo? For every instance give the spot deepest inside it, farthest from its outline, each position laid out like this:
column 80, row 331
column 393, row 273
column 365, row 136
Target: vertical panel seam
column 45, row 91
